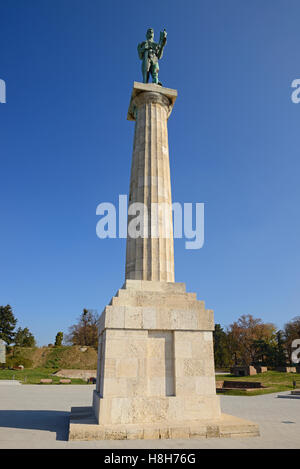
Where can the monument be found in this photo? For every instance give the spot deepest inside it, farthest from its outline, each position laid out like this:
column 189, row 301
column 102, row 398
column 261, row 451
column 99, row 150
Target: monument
column 155, row 376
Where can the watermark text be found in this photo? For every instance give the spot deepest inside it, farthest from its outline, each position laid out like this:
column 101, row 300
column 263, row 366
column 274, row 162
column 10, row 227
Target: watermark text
column 2, row 91
column 161, row 220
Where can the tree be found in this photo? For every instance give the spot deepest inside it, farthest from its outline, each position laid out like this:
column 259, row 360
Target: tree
column 59, row 339
column 221, row 351
column 85, row 332
column 7, row 324
column 243, row 336
column 233, row 345
column 264, row 351
column 280, row 350
column 24, row 338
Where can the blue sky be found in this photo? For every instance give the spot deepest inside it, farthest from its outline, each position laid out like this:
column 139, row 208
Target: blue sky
column 65, row 147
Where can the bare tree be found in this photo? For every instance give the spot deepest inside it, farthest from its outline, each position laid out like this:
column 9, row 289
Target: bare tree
column 244, row 334
column 85, row 332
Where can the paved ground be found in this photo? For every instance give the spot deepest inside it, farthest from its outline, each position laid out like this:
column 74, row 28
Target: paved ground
column 33, row 416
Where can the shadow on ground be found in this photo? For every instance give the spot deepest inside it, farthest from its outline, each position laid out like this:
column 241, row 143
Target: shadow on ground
column 44, row 420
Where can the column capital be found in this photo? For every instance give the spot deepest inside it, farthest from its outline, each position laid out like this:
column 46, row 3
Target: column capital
column 150, row 92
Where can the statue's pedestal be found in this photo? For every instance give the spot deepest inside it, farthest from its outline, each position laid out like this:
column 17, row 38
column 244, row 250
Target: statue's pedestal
column 155, row 369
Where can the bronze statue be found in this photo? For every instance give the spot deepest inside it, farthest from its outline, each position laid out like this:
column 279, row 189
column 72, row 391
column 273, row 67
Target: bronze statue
column 150, row 52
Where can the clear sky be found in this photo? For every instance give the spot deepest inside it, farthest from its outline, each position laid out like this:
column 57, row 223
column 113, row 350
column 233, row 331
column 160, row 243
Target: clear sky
column 65, row 147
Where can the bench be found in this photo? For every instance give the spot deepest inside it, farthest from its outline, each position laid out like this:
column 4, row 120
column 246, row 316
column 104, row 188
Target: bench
column 45, row 381
column 243, row 385
column 65, row 381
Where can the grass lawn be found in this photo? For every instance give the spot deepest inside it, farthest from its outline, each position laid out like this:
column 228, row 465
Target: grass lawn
column 273, row 380
column 34, row 375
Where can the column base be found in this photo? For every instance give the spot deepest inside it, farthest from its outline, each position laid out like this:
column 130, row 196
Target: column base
column 83, row 426
column 156, row 377
column 155, row 409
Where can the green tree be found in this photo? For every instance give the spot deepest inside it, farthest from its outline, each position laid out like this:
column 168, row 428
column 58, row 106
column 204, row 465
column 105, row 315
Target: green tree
column 221, row 351
column 85, row 332
column 59, row 339
column 24, row 338
column 264, row 351
column 280, row 358
column 7, row 324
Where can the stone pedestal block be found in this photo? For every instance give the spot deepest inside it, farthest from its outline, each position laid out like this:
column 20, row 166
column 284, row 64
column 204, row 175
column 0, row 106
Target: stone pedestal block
column 155, row 369
column 155, row 356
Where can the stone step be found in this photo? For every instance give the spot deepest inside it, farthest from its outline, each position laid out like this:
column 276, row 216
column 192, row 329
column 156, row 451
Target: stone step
column 162, row 317
column 138, row 298
column 147, row 285
column 225, row 427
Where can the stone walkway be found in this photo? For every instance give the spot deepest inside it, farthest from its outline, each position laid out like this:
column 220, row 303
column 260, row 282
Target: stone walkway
column 33, row 416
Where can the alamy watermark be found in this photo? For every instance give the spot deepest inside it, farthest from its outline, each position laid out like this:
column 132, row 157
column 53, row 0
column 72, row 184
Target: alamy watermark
column 187, row 221
column 2, row 91
column 295, row 96
column 296, row 353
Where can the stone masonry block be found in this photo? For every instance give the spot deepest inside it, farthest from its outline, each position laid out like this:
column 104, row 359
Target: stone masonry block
column 133, row 317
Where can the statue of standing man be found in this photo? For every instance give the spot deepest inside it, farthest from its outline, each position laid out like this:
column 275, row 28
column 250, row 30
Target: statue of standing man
column 150, row 52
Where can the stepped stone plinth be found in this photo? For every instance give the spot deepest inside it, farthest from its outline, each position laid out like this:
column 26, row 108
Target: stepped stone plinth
column 157, row 356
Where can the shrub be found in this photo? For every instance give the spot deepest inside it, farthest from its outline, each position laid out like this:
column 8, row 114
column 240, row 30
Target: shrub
column 12, row 362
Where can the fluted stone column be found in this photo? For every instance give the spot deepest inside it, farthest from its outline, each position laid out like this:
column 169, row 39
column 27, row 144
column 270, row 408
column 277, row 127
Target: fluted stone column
column 150, row 256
